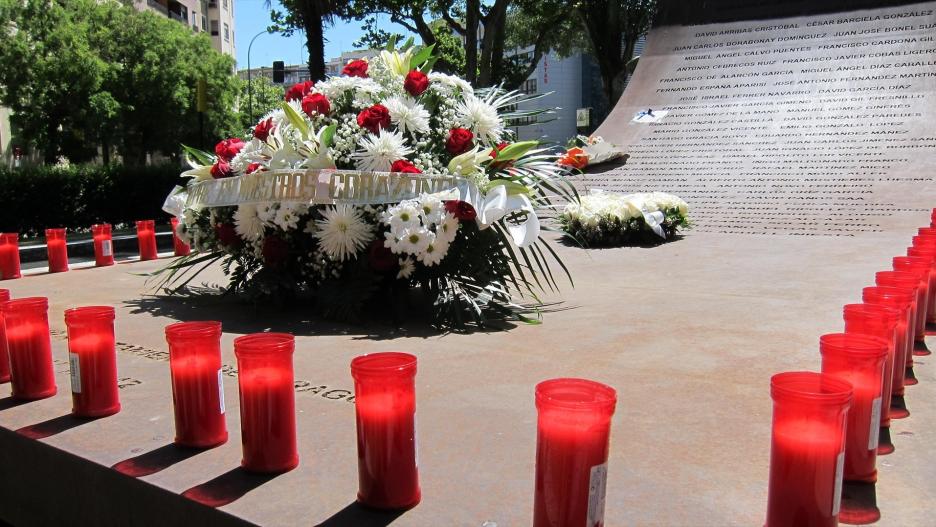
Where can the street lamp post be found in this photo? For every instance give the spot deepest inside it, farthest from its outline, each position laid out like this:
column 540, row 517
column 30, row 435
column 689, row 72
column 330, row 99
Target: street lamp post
column 249, row 85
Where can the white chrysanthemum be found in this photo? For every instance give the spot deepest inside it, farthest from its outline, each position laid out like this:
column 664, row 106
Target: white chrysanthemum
column 392, row 242
column 380, row 151
column 403, row 216
column 431, row 208
column 407, row 114
column 266, row 212
column 450, row 82
column 247, row 223
column 287, row 215
column 342, row 232
column 480, row 117
column 435, row 252
column 407, row 267
column 448, row 227
column 335, row 87
column 252, row 152
column 415, row 240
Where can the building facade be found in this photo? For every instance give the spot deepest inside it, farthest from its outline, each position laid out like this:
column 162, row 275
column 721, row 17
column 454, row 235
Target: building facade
column 215, row 17
column 294, row 73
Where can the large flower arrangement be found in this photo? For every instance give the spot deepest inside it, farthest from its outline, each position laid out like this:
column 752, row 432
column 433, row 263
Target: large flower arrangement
column 607, row 219
column 470, row 251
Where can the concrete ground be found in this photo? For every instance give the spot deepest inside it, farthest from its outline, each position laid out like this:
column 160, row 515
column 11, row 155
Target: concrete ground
column 689, row 334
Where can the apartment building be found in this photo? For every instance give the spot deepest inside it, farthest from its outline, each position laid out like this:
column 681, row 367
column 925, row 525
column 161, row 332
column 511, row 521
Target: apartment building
column 215, row 17
column 294, row 73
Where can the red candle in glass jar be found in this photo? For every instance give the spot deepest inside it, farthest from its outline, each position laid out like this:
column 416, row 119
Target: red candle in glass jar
column 56, row 250
column 385, row 408
column 30, row 347
column 267, row 402
column 900, row 300
column 197, row 386
column 859, row 360
column 4, row 353
column 807, row 451
column 573, row 432
column 181, row 248
column 146, row 237
column 927, row 249
column 909, row 282
column 933, row 219
column 920, row 267
column 103, row 245
column 9, row 256
column 92, row 360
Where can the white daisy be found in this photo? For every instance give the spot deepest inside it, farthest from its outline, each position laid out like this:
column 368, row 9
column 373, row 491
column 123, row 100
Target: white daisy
column 403, row 216
column 480, row 117
column 342, row 232
column 450, row 82
column 448, row 228
column 247, row 223
column 392, row 242
column 287, row 216
column 435, row 252
column 415, row 241
column 380, row 151
column 408, row 114
column 431, row 208
column 407, row 267
column 266, row 212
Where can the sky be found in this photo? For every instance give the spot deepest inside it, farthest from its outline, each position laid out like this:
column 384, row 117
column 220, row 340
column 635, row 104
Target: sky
column 251, row 17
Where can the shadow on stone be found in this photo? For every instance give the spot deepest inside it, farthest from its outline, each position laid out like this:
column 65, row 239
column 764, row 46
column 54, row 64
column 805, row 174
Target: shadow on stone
column 885, row 444
column 859, row 503
column 361, row 516
column 920, row 349
column 898, row 409
column 227, row 488
column 9, row 402
column 930, row 329
column 54, row 426
column 910, row 377
column 155, row 460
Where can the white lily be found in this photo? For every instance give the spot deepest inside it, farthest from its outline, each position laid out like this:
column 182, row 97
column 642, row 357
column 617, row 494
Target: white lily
column 468, row 163
column 199, row 172
column 397, row 63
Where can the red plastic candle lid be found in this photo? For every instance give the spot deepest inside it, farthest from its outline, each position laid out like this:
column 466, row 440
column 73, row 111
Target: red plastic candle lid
column 576, row 394
column 923, row 251
column 145, row 224
column 264, row 344
column 34, row 303
column 101, row 228
column 193, row 330
column 902, row 279
column 812, row 387
column 88, row 313
column 386, row 364
column 854, row 344
column 888, row 295
column 875, row 313
column 912, row 263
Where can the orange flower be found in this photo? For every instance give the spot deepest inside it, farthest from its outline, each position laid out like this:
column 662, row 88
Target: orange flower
column 575, row 158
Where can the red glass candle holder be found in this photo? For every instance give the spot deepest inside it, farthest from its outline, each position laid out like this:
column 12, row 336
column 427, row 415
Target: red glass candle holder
column 30, row 347
column 9, row 256
column 146, row 237
column 859, row 360
column 197, row 386
column 900, row 300
column 4, row 353
column 92, row 360
column 57, row 250
column 909, row 282
column 920, row 267
column 927, row 250
column 573, row 432
column 103, row 245
column 807, row 451
column 933, row 218
column 180, row 248
column 385, row 407
column 267, row 401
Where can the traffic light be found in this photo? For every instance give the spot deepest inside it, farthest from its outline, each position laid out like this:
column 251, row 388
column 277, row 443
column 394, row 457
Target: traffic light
column 279, row 72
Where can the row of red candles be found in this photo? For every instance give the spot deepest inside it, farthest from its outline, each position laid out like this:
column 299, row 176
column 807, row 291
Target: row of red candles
column 829, row 427
column 57, row 250
column 573, row 426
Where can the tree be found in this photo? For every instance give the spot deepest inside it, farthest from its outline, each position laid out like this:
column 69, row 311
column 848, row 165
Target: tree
column 266, row 97
column 448, row 47
column 310, row 16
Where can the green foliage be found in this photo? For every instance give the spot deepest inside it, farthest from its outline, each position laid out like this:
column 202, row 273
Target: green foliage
column 78, row 196
column 83, row 75
column 265, row 97
column 611, row 231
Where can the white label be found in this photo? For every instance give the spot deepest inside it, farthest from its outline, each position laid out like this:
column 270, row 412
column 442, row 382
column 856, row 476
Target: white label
column 597, row 486
column 837, row 495
column 74, row 366
column 875, row 434
column 221, row 390
column 415, row 439
column 107, row 248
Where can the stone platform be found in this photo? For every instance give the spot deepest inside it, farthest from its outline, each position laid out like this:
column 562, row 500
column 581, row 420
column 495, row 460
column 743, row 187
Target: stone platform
column 689, row 333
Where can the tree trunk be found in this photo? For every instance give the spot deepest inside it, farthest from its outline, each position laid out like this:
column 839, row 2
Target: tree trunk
column 472, row 19
column 493, row 38
column 315, row 38
column 425, row 32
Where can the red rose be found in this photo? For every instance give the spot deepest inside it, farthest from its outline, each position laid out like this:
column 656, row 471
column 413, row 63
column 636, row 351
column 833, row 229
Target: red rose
column 263, row 129
column 229, row 148
column 221, row 170
column 416, row 82
column 405, row 167
column 461, row 209
column 380, row 258
column 275, row 250
column 459, row 141
column 299, row 90
column 355, row 68
column 374, row 118
column 228, row 236
column 253, row 167
column 315, row 102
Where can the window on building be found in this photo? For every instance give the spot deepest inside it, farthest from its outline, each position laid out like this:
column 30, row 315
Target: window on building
column 227, row 33
column 204, row 23
column 194, row 21
column 224, row 4
column 212, row 3
column 214, row 28
column 528, row 86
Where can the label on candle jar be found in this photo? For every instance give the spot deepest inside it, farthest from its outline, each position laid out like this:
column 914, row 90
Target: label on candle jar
column 597, row 486
column 874, row 436
column 221, row 390
column 74, row 367
column 837, row 495
column 107, row 248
